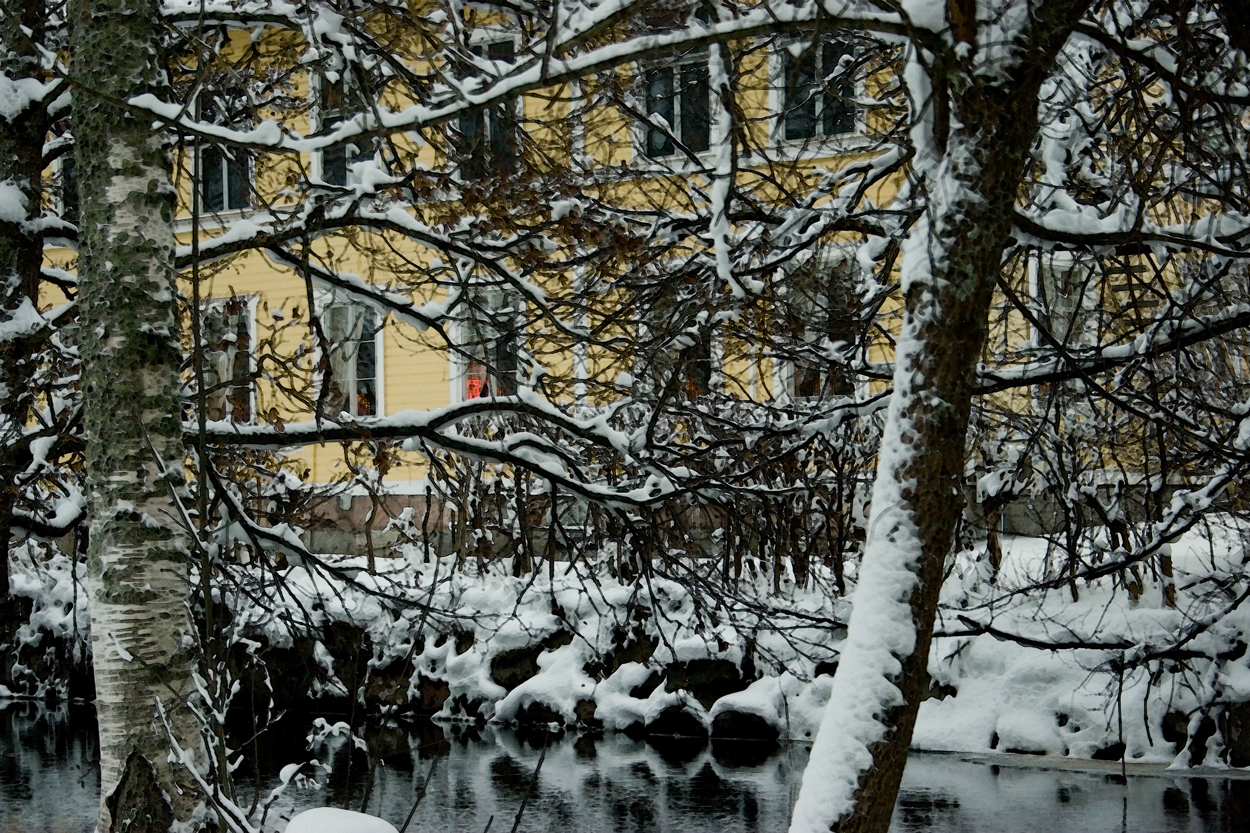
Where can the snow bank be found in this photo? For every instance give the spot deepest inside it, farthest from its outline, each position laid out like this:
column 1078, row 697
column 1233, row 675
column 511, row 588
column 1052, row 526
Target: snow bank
column 586, row 648
column 578, row 647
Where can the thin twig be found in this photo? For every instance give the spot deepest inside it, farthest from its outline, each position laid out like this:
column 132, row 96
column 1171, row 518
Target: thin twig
column 373, row 771
column 530, row 789
column 420, row 795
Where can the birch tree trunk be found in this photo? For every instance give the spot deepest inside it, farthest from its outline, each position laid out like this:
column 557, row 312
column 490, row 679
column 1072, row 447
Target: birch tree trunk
column 975, row 119
column 142, row 634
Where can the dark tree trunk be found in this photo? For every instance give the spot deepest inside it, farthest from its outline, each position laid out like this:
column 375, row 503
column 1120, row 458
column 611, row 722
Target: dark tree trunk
column 21, row 254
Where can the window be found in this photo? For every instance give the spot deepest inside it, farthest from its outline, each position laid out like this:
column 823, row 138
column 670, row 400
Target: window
column 492, row 337
column 817, row 312
column 677, row 97
column 224, row 178
column 683, row 345
column 225, row 172
column 690, row 361
column 1065, row 291
column 817, row 90
column 337, row 163
column 353, row 332
column 1064, row 287
column 341, row 100
column 226, row 327
column 487, row 142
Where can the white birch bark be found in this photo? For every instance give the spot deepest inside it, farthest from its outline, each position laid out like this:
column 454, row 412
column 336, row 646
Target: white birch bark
column 142, row 635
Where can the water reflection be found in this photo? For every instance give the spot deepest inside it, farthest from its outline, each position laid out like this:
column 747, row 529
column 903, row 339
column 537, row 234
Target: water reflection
column 622, row 784
column 49, row 774
column 946, row 794
column 616, row 783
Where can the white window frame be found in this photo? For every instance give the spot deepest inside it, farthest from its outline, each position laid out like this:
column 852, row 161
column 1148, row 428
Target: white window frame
column 1080, row 334
column 250, row 301
column 1069, row 263
column 248, row 162
column 819, row 144
column 325, row 301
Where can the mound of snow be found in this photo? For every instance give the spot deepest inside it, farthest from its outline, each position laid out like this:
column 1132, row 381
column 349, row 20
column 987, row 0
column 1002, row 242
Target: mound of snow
column 334, row 820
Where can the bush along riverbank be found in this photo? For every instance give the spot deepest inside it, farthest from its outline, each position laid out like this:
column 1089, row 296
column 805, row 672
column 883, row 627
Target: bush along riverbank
column 615, row 645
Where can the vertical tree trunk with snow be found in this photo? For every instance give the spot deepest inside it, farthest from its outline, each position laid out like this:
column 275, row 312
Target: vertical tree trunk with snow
column 142, row 634
column 974, row 120
column 23, row 126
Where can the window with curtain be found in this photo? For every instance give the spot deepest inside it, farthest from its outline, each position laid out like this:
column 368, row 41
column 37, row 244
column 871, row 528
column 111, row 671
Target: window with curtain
column 354, row 379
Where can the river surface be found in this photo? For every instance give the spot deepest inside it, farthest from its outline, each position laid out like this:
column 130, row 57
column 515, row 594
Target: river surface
column 49, row 783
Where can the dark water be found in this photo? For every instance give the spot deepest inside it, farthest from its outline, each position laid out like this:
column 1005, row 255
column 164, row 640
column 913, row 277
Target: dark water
column 49, row 780
column 48, row 783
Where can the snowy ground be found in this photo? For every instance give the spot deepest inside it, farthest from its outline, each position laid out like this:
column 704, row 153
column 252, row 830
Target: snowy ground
column 1070, row 702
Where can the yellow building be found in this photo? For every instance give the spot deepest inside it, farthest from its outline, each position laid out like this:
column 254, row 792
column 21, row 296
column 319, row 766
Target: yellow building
column 644, row 138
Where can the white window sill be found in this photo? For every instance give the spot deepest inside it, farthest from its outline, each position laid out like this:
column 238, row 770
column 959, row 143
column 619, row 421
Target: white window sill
column 797, row 150
column 818, row 147
column 211, row 220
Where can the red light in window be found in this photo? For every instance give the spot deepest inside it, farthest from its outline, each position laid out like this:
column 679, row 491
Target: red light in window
column 475, row 380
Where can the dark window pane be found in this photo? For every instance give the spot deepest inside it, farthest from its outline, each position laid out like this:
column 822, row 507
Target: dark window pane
column 501, row 121
column 800, row 101
column 334, row 165
column 696, row 367
column 69, row 190
column 696, row 116
column 236, row 180
column 659, row 101
column 366, row 398
column 505, row 370
column 210, row 178
column 806, row 379
column 224, row 179
column 503, row 139
column 820, row 308
column 227, row 360
column 503, row 50
column 332, row 97
column 472, row 159
column 241, row 393
column 488, row 142
column 837, row 112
